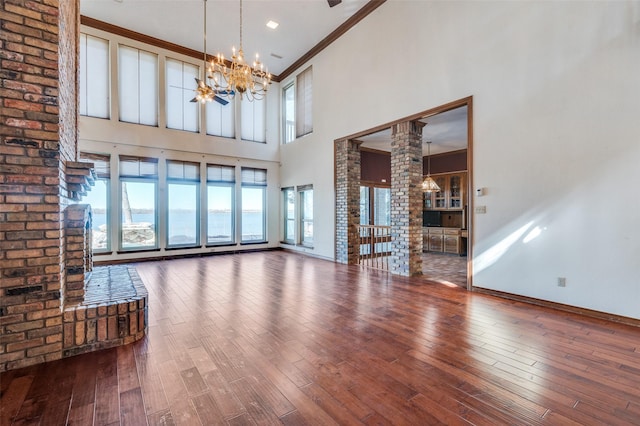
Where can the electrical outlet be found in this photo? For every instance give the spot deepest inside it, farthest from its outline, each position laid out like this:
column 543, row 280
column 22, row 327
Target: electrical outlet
column 562, row 282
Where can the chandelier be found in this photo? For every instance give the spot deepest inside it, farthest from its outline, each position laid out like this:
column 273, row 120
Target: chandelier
column 223, row 79
column 428, row 184
column 237, row 76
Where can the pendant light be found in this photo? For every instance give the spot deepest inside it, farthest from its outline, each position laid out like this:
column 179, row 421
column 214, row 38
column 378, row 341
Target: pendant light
column 428, row 184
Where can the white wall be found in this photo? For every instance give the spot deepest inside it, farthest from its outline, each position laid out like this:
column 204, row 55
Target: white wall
column 556, row 96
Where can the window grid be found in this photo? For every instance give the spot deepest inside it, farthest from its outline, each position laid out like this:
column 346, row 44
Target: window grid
column 253, row 203
column 306, row 215
column 94, row 77
column 182, row 114
column 100, row 201
column 139, row 201
column 304, row 101
column 289, row 215
column 289, row 112
column 220, row 204
column 138, row 86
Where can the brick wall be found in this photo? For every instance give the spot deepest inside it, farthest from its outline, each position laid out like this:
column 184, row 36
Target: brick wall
column 30, row 167
column 38, row 179
column 406, row 198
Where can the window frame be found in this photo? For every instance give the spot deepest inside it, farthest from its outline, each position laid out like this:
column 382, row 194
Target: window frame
column 303, row 192
column 186, row 94
column 254, row 185
column 288, row 126
column 83, row 65
column 90, row 157
column 208, row 112
column 304, row 122
column 183, row 181
column 371, row 204
column 286, row 193
column 222, row 184
column 141, row 178
column 244, row 104
column 120, row 73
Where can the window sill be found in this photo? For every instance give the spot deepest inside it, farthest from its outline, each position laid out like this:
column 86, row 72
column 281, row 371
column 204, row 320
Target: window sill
column 140, row 250
column 228, row 244
column 248, row 243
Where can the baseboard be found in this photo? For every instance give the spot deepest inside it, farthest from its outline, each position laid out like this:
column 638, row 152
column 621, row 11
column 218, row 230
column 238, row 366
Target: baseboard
column 181, row 256
column 560, row 306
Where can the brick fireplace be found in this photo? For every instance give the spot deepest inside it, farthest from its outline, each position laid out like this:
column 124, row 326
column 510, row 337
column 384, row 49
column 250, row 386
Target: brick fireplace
column 53, row 303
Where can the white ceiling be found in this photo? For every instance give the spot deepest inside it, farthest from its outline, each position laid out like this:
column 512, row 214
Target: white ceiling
column 447, row 131
column 303, row 24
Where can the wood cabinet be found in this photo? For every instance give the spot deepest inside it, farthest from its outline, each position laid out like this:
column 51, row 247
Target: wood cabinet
column 453, row 187
column 435, row 239
column 442, row 240
column 451, row 241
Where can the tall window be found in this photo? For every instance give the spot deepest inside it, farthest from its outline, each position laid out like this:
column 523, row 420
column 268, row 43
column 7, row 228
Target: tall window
column 306, row 215
column 289, row 215
column 375, row 206
column 297, row 100
column 254, row 216
column 220, row 204
column 253, row 120
column 289, row 112
column 138, row 194
column 183, row 207
column 304, row 101
column 94, row 76
column 221, row 119
column 382, row 206
column 180, row 81
column 98, row 198
column 138, row 86
column 365, row 206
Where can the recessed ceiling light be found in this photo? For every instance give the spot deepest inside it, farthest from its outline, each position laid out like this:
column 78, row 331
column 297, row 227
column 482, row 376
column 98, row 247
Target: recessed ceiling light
column 272, row 24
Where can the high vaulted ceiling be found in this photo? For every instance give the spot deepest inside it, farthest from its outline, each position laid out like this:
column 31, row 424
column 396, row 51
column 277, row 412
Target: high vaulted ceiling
column 303, row 24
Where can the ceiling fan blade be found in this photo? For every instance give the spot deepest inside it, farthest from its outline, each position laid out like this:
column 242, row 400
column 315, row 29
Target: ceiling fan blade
column 219, row 100
column 334, row 2
column 193, row 100
column 225, row 92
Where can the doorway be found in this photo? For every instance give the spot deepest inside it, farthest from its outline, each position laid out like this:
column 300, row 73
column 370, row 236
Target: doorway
column 447, row 223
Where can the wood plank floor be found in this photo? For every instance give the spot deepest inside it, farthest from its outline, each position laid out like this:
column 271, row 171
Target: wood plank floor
column 279, row 338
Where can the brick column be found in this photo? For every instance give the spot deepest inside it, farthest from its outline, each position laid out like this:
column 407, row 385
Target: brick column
column 406, row 198
column 347, row 163
column 36, row 137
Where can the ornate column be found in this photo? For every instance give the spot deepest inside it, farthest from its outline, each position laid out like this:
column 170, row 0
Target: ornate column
column 347, row 163
column 406, row 198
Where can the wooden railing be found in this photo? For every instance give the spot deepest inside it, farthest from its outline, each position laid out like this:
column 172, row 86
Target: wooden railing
column 375, row 246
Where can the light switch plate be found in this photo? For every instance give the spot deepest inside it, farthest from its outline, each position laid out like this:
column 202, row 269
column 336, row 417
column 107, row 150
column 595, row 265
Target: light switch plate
column 481, row 209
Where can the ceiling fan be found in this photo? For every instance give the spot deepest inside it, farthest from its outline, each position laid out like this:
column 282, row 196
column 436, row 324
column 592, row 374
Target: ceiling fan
column 216, row 98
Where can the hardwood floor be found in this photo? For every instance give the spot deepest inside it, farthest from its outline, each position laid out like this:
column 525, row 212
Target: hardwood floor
column 279, row 338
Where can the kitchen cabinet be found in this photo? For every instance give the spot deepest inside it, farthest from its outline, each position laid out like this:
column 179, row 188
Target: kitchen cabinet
column 442, row 240
column 435, row 239
column 451, row 194
column 451, row 241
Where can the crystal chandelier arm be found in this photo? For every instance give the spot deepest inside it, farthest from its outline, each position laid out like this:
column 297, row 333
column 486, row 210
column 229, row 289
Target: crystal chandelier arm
column 236, row 76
